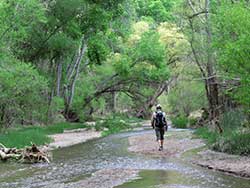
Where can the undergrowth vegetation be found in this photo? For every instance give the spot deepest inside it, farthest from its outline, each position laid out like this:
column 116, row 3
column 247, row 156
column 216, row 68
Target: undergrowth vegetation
column 115, row 124
column 183, row 122
column 180, row 122
column 235, row 138
column 37, row 134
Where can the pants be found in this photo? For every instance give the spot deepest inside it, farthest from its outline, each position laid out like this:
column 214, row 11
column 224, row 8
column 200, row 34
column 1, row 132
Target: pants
column 159, row 133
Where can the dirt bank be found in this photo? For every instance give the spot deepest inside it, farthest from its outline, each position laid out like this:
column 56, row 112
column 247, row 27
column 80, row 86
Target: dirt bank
column 180, row 142
column 231, row 164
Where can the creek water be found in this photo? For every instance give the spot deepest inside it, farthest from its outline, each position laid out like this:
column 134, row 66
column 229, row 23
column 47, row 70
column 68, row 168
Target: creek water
column 78, row 162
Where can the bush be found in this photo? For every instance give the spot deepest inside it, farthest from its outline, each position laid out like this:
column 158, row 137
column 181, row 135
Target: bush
column 22, row 96
column 192, row 121
column 205, row 133
column 237, row 143
column 180, row 122
column 232, row 142
column 233, row 119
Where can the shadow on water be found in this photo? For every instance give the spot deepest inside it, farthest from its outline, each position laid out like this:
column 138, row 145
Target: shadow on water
column 78, row 162
column 151, row 178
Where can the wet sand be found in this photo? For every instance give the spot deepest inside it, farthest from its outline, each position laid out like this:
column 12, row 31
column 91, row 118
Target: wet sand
column 175, row 144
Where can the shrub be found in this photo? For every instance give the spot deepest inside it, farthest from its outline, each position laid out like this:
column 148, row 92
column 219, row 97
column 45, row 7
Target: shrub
column 232, row 142
column 232, row 119
column 237, row 143
column 180, row 122
column 192, row 121
column 22, row 96
column 205, row 133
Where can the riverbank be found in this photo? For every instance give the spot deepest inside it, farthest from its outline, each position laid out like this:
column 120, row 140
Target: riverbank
column 183, row 145
column 72, row 137
column 230, row 164
column 21, row 137
column 64, row 134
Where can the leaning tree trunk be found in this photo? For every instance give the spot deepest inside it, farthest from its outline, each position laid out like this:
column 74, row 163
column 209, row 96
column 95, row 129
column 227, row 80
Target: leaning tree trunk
column 144, row 111
column 72, row 76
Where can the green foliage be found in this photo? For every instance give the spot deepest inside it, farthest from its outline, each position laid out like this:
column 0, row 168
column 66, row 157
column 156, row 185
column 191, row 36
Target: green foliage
column 237, row 143
column 232, row 142
column 115, row 124
column 186, row 97
column 159, row 10
column 98, row 49
column 233, row 119
column 61, row 44
column 150, row 49
column 232, row 28
column 208, row 135
column 38, row 135
column 25, row 137
column 234, row 139
column 192, row 121
column 180, row 122
column 22, row 93
column 17, row 17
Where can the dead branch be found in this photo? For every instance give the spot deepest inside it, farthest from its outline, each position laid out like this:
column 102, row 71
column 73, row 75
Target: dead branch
column 27, row 155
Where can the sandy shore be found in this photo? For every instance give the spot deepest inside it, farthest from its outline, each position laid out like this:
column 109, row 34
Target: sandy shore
column 180, row 142
column 72, row 137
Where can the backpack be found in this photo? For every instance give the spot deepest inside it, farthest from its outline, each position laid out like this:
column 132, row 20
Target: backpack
column 160, row 119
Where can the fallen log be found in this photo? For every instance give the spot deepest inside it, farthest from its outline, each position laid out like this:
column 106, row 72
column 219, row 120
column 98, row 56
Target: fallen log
column 27, row 155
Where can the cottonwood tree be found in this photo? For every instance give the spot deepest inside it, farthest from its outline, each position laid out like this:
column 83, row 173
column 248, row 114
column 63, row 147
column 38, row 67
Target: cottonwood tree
column 199, row 22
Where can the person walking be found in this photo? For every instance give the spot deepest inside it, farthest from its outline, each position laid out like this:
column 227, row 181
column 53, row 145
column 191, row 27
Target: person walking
column 159, row 124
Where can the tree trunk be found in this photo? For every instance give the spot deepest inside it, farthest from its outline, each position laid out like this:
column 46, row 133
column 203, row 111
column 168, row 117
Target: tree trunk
column 213, row 96
column 72, row 77
column 144, row 111
column 59, row 77
column 207, row 69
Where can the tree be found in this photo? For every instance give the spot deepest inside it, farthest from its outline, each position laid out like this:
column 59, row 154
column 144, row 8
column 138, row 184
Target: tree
column 231, row 42
column 23, row 94
column 159, row 10
column 200, row 37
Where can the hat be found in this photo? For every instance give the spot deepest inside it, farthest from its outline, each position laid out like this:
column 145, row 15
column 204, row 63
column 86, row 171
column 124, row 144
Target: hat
column 158, row 106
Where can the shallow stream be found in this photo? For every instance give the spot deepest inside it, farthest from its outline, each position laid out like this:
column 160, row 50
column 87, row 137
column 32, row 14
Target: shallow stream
column 78, row 162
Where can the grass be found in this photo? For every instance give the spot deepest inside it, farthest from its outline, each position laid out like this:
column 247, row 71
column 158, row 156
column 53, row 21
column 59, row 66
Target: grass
column 21, row 137
column 232, row 141
column 206, row 134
